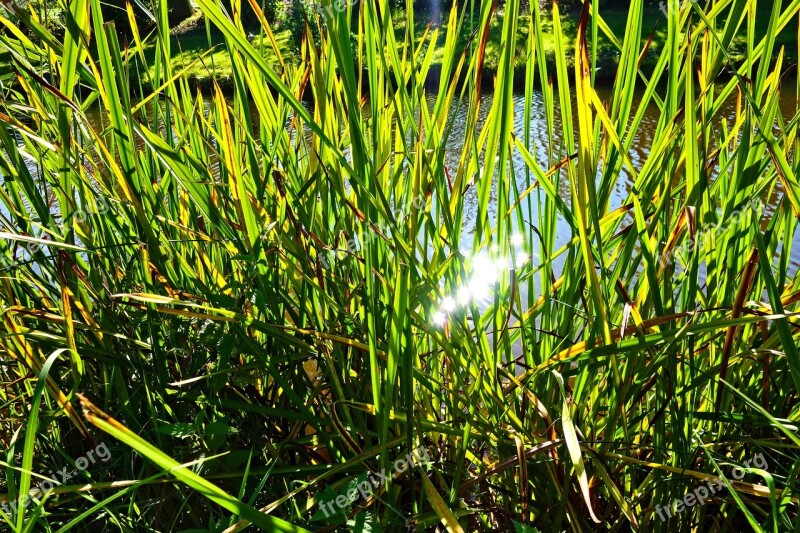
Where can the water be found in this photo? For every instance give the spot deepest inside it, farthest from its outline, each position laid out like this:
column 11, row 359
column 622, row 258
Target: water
column 638, row 154
column 483, row 267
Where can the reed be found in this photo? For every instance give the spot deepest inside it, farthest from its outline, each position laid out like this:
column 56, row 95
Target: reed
column 262, row 299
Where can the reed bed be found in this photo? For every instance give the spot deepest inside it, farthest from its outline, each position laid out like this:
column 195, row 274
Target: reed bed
column 261, row 300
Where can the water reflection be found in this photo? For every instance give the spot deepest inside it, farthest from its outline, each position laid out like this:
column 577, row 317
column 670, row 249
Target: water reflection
column 545, row 152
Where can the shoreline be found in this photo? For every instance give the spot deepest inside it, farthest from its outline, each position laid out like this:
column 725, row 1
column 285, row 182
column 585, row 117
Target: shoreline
column 604, row 78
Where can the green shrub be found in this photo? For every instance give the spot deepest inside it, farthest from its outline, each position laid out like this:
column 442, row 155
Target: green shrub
column 297, row 15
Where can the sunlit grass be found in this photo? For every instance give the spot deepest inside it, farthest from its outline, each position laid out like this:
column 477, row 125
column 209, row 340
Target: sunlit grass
column 265, row 295
column 216, row 65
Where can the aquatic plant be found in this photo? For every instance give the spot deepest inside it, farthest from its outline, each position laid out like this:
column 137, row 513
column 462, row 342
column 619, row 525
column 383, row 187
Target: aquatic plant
column 558, row 374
